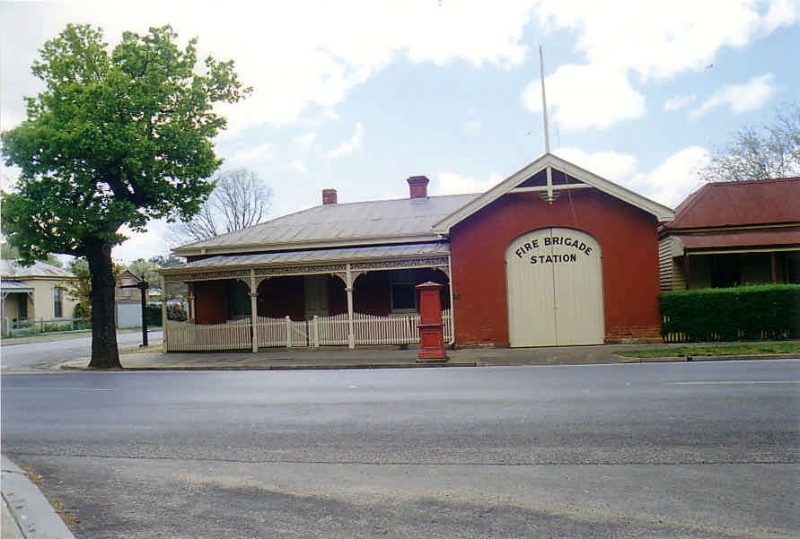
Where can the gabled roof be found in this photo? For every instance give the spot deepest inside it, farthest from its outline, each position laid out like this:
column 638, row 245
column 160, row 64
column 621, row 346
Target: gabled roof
column 10, row 269
column 736, row 204
column 337, row 225
column 572, row 175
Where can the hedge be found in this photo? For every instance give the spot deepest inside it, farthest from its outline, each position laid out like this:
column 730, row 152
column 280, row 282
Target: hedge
column 763, row 312
column 174, row 312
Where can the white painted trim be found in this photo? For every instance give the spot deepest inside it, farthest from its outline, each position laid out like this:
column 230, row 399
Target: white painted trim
column 541, row 188
column 660, row 212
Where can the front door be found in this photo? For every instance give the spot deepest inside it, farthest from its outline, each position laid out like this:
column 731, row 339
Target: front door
column 555, row 289
column 316, row 292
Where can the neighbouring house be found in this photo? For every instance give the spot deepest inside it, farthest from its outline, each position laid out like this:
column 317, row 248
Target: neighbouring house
column 129, row 300
column 553, row 255
column 34, row 293
column 733, row 233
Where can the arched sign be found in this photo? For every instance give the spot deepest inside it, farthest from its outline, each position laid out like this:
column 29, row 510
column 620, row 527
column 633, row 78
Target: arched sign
column 555, row 289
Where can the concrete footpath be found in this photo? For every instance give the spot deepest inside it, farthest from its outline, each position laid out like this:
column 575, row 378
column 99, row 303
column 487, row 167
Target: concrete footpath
column 382, row 357
column 371, row 358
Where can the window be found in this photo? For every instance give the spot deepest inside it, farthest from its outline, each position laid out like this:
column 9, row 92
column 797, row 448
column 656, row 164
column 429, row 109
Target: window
column 57, row 303
column 404, row 295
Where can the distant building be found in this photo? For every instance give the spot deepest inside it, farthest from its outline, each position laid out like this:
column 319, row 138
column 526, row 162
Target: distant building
column 733, row 233
column 36, row 292
column 553, row 255
column 129, row 300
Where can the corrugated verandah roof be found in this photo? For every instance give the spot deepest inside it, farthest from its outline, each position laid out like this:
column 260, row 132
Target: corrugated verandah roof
column 771, row 237
column 15, row 286
column 321, row 256
column 382, row 221
column 747, row 203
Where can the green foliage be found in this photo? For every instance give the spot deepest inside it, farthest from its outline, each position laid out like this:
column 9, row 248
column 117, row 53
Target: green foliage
column 174, row 312
column 731, row 314
column 80, row 288
column 115, row 138
column 144, row 268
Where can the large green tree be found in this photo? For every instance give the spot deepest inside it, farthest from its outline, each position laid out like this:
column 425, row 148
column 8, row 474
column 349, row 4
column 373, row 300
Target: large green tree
column 115, row 138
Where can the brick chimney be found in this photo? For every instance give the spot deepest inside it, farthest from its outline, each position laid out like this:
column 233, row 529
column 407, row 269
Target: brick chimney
column 328, row 196
column 418, row 186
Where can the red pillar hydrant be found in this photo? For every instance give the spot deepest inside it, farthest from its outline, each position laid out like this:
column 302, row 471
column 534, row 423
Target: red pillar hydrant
column 431, row 328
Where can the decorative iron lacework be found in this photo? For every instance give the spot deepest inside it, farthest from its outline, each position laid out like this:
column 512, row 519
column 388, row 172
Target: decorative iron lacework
column 208, row 276
column 402, row 264
column 300, row 270
column 340, row 270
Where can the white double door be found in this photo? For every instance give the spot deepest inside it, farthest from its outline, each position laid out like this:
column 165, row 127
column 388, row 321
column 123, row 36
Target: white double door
column 555, row 289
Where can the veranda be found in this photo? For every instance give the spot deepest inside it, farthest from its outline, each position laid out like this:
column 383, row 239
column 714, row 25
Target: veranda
column 259, row 330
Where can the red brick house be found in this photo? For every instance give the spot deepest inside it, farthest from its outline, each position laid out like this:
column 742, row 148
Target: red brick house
column 553, row 255
column 733, row 233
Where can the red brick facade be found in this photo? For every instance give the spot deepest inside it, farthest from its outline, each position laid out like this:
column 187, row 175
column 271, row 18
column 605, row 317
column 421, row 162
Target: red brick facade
column 628, row 238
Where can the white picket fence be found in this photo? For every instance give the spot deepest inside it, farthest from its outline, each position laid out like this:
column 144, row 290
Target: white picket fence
column 286, row 333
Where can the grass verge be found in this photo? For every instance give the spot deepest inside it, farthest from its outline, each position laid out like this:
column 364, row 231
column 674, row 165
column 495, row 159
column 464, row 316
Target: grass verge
column 718, row 350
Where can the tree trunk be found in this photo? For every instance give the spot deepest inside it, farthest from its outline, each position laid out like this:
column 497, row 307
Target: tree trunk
column 105, row 353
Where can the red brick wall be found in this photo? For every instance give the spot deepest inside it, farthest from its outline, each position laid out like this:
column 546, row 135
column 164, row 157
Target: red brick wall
column 627, row 236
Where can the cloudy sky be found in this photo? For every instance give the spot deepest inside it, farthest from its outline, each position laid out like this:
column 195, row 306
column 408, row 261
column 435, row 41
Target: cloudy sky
column 357, row 95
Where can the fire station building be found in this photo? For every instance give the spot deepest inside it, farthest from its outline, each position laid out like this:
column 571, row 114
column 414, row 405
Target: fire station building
column 553, row 255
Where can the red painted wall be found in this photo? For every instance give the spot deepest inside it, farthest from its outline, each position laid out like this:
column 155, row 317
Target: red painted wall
column 628, row 238
column 279, row 297
column 211, row 302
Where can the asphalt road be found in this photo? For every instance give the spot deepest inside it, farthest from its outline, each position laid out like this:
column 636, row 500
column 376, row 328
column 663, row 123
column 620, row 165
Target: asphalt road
column 42, row 355
column 675, row 450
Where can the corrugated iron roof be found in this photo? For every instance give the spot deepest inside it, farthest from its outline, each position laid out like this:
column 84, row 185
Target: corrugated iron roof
column 11, row 269
column 347, row 254
column 757, row 202
column 332, row 223
column 743, row 238
column 15, row 286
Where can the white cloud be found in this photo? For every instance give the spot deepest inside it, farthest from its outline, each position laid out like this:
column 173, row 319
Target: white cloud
column 306, row 140
column 450, row 183
column 668, row 183
column 678, row 102
column 297, row 166
column 586, row 96
column 781, row 13
column 612, row 166
column 751, row 95
column 351, row 145
column 144, row 244
column 675, row 178
column 661, row 39
column 252, row 155
column 301, row 55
